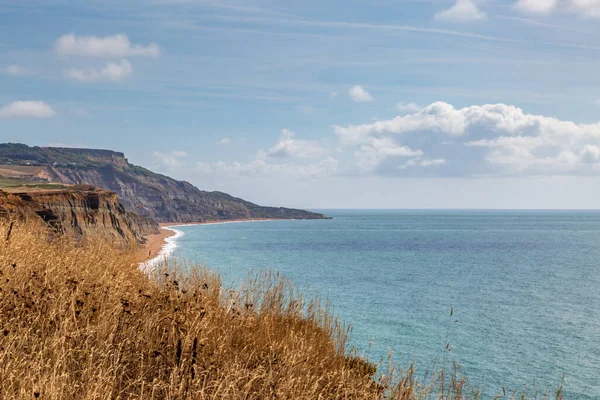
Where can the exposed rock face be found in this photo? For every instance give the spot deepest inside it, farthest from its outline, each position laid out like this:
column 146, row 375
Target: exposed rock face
column 140, row 190
column 82, row 210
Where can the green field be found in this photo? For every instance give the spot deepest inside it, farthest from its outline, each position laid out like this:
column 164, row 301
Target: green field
column 12, row 183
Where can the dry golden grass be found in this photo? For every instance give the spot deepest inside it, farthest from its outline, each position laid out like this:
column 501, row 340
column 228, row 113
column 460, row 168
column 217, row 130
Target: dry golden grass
column 82, row 322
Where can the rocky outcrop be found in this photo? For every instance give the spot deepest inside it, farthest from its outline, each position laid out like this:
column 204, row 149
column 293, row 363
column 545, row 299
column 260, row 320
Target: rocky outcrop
column 140, row 190
column 83, row 210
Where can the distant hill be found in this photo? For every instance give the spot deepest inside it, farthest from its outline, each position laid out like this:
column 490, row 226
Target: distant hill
column 140, row 190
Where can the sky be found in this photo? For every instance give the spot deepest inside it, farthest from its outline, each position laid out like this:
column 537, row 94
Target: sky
column 491, row 104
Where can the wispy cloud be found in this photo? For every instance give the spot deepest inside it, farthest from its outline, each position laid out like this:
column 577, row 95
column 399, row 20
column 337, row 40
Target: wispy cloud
column 222, row 6
column 172, row 160
column 288, row 146
column 288, row 158
column 534, row 22
column 408, row 107
column 17, row 70
column 357, row 25
column 262, row 168
column 113, row 72
column 116, row 46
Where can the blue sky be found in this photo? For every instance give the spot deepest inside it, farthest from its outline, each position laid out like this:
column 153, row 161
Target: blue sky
column 321, row 104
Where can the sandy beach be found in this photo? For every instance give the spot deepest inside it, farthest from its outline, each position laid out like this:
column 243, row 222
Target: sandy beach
column 154, row 244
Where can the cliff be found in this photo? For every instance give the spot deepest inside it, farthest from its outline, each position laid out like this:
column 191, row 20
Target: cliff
column 140, row 190
column 82, row 210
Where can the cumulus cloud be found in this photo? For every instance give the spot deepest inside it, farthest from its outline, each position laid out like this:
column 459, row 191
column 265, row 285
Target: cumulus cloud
column 462, row 11
column 172, row 160
column 224, row 141
column 587, row 8
column 17, row 70
column 287, row 146
column 27, row 109
column 116, row 46
column 359, row 95
column 491, row 139
column 113, row 72
column 438, row 116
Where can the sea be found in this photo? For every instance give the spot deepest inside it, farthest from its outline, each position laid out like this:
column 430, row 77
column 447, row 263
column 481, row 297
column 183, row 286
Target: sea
column 513, row 297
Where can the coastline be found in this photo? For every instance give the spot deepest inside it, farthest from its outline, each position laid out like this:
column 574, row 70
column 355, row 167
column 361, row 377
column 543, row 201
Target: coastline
column 154, row 244
column 215, row 222
column 161, row 245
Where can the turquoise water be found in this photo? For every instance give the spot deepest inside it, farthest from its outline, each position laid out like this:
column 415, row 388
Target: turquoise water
column 524, row 286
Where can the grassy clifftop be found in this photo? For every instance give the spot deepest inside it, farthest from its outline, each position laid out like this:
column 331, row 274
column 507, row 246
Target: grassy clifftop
column 82, row 322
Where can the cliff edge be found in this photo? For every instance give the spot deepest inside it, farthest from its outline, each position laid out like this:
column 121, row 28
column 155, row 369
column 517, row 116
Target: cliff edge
column 82, row 210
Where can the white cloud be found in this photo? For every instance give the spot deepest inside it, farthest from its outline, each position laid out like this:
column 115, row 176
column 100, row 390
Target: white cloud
column 418, row 162
column 408, row 107
column 587, row 8
column 438, row 116
column 370, row 156
column 172, row 160
column 260, row 167
column 359, row 95
column 17, row 70
column 287, row 146
column 462, row 11
column 27, row 109
column 225, row 141
column 68, row 145
column 288, row 158
column 116, row 46
column 432, row 163
column 113, row 72
column 492, row 139
column 536, row 6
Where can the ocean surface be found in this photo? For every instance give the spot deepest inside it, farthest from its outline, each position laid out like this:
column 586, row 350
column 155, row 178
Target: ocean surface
column 524, row 286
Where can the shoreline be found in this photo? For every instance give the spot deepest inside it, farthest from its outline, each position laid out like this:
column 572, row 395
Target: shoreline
column 162, row 244
column 215, row 222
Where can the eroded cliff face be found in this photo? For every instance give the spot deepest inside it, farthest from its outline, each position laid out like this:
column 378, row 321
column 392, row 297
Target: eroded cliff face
column 168, row 200
column 83, row 210
column 140, row 190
